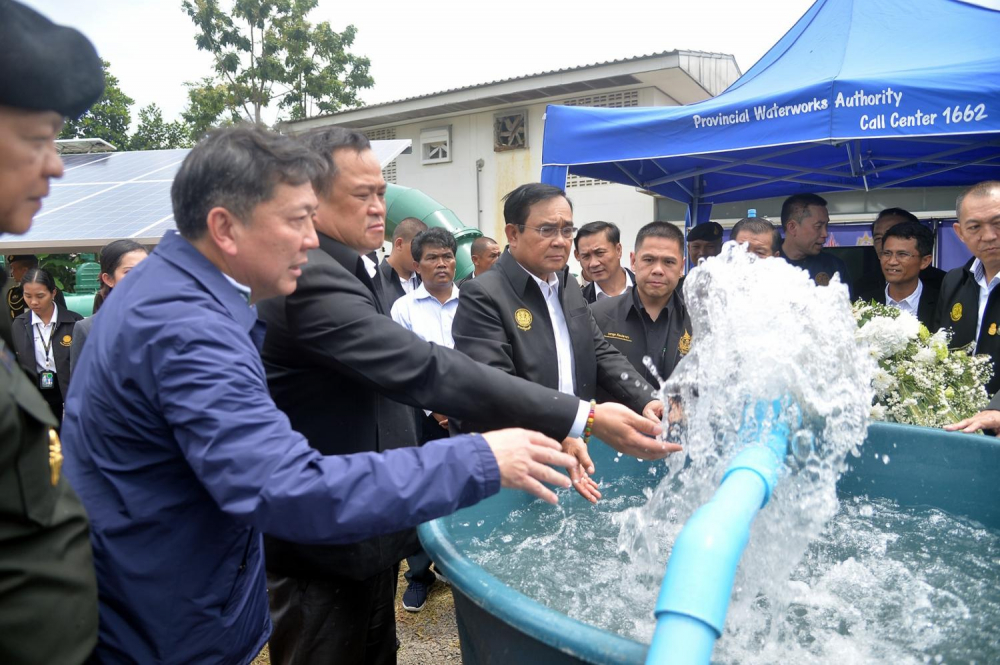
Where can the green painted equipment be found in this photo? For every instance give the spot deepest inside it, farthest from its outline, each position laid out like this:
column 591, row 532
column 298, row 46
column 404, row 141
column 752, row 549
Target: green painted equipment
column 403, row 202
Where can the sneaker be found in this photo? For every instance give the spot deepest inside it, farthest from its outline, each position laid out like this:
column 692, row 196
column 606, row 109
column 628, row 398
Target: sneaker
column 415, row 596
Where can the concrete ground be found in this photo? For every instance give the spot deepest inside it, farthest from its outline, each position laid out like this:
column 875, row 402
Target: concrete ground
column 428, row 637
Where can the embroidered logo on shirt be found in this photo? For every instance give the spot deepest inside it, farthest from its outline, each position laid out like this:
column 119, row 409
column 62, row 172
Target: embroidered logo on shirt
column 614, row 335
column 956, row 311
column 822, row 279
column 684, row 345
column 522, row 318
column 66, row 340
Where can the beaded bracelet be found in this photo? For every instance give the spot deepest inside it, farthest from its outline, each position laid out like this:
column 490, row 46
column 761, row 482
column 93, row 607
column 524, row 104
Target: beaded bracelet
column 590, row 422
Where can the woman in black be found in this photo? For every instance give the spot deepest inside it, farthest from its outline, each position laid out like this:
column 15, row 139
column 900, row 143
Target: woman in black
column 42, row 338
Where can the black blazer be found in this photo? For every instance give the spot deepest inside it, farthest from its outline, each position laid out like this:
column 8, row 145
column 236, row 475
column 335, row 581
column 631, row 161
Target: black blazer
column 590, row 291
column 927, row 310
column 62, row 339
column 389, row 284
column 620, row 320
column 335, row 364
column 503, row 321
column 873, row 280
column 958, row 309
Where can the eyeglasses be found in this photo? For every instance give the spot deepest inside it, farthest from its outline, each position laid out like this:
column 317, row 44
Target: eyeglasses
column 549, row 231
column 900, row 256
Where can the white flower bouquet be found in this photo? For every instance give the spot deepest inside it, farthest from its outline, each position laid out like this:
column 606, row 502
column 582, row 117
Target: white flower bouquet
column 919, row 380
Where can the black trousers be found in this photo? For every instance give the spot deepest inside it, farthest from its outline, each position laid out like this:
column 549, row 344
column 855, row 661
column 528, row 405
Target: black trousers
column 342, row 622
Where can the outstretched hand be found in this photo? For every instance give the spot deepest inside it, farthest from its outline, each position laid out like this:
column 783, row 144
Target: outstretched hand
column 523, row 457
column 654, row 411
column 988, row 419
column 580, row 476
column 629, row 433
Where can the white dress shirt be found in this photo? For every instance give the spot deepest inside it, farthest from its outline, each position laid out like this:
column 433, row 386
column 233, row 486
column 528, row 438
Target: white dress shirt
column 600, row 294
column 426, row 316
column 908, row 304
column 979, row 272
column 43, row 332
column 370, row 266
column 409, row 285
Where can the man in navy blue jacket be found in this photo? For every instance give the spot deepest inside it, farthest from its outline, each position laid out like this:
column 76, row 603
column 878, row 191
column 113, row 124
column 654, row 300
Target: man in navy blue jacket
column 181, row 457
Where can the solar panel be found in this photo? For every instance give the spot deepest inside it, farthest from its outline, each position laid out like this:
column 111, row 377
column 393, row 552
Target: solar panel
column 107, row 196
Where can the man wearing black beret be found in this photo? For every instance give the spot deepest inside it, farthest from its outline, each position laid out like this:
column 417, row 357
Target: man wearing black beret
column 704, row 241
column 48, row 595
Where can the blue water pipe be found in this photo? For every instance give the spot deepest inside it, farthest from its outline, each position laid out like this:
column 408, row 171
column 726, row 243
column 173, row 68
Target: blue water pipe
column 694, row 597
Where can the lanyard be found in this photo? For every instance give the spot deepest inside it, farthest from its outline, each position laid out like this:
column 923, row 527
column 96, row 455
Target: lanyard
column 46, row 343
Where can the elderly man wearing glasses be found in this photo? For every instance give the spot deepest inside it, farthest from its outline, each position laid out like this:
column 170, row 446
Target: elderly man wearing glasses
column 527, row 316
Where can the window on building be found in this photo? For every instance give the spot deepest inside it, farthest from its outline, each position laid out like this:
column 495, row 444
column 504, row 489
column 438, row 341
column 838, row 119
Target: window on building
column 610, row 100
column 435, row 145
column 385, row 134
column 510, row 131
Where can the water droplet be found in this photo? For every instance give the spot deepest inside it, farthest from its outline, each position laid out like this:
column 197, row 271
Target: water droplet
column 638, row 383
column 624, row 376
column 802, row 444
column 616, row 460
column 866, row 511
column 885, row 459
column 480, row 522
column 652, row 470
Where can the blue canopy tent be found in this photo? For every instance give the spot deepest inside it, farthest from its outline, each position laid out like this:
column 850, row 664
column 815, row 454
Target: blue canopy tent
column 858, row 95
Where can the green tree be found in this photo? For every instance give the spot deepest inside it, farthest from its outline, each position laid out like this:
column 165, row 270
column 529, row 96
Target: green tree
column 208, row 107
column 155, row 134
column 108, row 119
column 266, row 50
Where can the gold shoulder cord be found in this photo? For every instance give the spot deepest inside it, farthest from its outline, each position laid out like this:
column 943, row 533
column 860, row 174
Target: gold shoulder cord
column 55, row 456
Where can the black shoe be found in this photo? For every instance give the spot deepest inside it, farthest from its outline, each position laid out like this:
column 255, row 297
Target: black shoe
column 415, row 596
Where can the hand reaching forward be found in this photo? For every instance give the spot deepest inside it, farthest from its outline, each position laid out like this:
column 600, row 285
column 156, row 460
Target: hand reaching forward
column 988, row 419
column 523, row 456
column 629, row 433
column 580, row 476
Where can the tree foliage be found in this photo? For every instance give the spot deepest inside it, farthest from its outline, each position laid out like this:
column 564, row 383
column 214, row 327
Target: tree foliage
column 267, row 51
column 108, row 119
column 155, row 134
column 208, row 108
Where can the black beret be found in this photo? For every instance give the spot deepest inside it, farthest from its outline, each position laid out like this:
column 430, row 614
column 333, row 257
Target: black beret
column 705, row 231
column 44, row 66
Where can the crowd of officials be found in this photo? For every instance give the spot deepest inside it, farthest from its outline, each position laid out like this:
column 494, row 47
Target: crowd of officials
column 263, row 410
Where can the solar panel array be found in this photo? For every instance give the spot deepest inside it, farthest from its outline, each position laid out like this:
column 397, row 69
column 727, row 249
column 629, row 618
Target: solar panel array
column 107, row 196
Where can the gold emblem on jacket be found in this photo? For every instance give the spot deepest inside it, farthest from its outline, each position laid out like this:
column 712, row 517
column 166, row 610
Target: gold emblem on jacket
column 66, row 340
column 684, row 345
column 956, row 311
column 55, row 456
column 993, row 329
column 614, row 335
column 822, row 279
column 522, row 318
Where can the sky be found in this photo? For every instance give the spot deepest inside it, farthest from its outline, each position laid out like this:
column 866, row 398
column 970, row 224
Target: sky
column 422, row 46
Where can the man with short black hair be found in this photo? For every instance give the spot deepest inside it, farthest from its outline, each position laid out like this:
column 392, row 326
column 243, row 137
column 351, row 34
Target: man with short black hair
column 907, row 249
column 48, row 593
column 804, row 220
column 528, row 316
column 395, row 273
column 598, row 248
column 760, row 236
column 874, row 280
column 484, row 252
column 428, row 312
column 346, row 374
column 651, row 320
column 704, row 241
column 970, row 300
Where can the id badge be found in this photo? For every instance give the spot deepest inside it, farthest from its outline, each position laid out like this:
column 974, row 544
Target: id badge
column 46, row 380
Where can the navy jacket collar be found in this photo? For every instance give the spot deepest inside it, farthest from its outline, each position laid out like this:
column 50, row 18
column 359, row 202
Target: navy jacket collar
column 176, row 250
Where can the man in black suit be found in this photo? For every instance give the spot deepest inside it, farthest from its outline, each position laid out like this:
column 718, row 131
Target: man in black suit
column 907, row 249
column 528, row 316
column 970, row 302
column 484, row 252
column 874, row 280
column 395, row 274
column 598, row 248
column 335, row 361
column 650, row 319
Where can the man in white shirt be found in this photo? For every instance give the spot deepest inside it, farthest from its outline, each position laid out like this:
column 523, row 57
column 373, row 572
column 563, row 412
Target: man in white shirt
column 428, row 312
column 969, row 303
column 598, row 248
column 395, row 273
column 907, row 249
